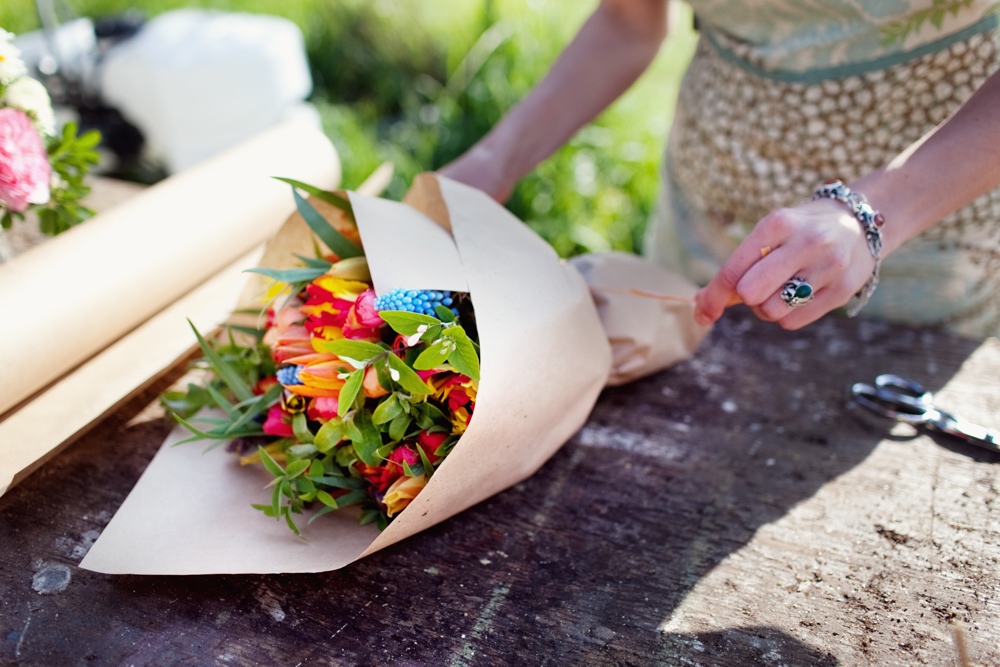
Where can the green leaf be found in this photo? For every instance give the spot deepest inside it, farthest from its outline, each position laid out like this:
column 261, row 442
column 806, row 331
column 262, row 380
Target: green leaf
column 351, row 350
column 291, row 522
column 352, row 498
column 266, row 509
column 407, row 323
column 305, row 488
column 350, row 391
column 345, row 457
column 387, row 410
column 329, row 435
column 315, row 469
column 435, row 355
column 258, row 406
column 256, row 333
column 444, row 313
column 223, row 369
column 300, row 426
column 315, row 262
column 326, row 499
column 341, row 482
column 219, row 400
column 369, row 516
column 382, row 373
column 412, row 472
column 428, row 466
column 464, row 358
column 343, row 203
column 330, row 237
column 367, row 440
column 430, row 411
column 269, row 463
column 406, row 377
column 292, row 276
column 276, row 501
column 398, row 427
column 296, row 468
column 186, row 403
column 302, row 450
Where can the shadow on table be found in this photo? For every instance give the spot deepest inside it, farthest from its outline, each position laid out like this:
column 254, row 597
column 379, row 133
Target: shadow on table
column 578, row 565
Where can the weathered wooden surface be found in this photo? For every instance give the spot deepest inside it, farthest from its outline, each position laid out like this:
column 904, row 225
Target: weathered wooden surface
column 732, row 511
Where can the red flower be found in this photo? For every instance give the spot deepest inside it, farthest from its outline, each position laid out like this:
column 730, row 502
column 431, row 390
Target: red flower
column 390, row 470
column 322, row 409
column 429, row 442
column 264, row 384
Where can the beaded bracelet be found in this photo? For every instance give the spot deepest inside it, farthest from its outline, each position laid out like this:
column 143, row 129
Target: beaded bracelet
column 871, row 222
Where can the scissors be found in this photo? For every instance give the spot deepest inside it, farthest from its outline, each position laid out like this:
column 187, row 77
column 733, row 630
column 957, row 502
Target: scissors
column 905, row 400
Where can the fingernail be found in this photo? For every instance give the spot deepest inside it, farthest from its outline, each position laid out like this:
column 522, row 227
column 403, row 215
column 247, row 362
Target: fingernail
column 701, row 318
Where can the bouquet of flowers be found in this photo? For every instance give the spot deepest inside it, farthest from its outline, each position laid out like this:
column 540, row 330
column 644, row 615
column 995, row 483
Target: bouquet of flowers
column 344, row 397
column 374, row 386
column 38, row 168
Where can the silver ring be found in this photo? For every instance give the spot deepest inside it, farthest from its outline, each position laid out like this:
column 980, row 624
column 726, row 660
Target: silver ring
column 797, row 292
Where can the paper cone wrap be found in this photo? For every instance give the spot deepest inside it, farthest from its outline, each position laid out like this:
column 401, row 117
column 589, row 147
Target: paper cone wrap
column 545, row 358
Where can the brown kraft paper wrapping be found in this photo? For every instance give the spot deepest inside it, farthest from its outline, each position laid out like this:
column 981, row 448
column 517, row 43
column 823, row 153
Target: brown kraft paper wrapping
column 545, row 359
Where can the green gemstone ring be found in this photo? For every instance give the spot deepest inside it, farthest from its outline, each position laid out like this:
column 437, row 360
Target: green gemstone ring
column 797, row 292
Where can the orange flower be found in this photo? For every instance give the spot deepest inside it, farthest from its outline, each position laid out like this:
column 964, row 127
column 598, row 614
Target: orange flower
column 371, row 384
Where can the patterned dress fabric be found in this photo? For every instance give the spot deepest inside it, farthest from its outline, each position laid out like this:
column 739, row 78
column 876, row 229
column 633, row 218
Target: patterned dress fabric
column 756, row 130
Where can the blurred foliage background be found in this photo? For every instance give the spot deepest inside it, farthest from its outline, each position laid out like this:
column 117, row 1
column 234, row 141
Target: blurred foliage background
column 418, row 82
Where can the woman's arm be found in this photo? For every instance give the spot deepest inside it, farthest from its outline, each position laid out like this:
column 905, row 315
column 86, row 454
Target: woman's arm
column 823, row 243
column 614, row 46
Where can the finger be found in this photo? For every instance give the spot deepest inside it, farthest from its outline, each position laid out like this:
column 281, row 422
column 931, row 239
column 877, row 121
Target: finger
column 766, row 277
column 825, row 301
column 721, row 291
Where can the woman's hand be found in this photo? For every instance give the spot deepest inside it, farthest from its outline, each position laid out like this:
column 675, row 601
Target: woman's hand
column 613, row 47
column 820, row 242
column 481, row 168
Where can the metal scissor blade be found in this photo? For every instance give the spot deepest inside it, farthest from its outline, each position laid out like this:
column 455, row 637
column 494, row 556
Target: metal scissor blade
column 974, row 434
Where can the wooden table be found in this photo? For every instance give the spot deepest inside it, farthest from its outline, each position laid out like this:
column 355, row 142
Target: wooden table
column 735, row 510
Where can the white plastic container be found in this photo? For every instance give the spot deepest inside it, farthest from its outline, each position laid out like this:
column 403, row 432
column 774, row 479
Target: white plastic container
column 196, row 82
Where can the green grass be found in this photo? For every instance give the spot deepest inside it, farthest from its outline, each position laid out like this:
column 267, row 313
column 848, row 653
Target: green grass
column 418, row 82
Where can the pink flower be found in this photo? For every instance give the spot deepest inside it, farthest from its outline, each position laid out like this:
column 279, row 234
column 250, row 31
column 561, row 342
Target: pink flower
column 275, row 425
column 363, row 321
column 24, row 165
column 365, row 311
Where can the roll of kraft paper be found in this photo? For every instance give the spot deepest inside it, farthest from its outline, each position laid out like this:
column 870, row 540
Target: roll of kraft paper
column 66, row 300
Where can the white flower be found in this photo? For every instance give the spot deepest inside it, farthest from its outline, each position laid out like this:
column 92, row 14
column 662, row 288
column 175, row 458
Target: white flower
column 30, row 96
column 11, row 65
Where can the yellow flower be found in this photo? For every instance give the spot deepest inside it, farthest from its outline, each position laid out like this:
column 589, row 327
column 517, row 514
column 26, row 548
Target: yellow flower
column 402, row 491
column 459, row 421
column 349, row 290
